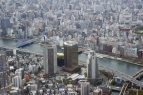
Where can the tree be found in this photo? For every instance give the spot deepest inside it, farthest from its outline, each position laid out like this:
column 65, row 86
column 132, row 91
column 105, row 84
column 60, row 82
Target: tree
column 97, row 83
column 66, row 81
column 132, row 92
column 107, row 74
column 140, row 92
column 85, row 74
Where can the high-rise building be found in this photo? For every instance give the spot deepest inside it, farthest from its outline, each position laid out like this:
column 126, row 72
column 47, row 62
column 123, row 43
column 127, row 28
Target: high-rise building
column 70, row 54
column 50, row 59
column 3, row 72
column 85, row 89
column 16, row 81
column 97, row 91
column 5, row 23
column 92, row 67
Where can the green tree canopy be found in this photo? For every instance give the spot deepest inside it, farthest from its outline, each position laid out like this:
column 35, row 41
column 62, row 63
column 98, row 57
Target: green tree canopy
column 140, row 92
column 132, row 92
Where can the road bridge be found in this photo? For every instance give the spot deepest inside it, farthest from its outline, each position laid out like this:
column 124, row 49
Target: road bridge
column 21, row 43
column 138, row 74
column 125, row 76
column 124, row 87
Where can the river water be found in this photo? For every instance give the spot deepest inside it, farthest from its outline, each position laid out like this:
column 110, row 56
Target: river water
column 121, row 66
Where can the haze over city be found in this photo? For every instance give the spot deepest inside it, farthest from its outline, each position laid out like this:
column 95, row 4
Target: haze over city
column 71, row 47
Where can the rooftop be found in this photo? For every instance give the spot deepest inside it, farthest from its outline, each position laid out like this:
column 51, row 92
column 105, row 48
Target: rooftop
column 97, row 90
column 70, row 43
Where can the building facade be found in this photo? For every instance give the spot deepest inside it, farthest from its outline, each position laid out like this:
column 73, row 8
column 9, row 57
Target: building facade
column 70, row 54
column 85, row 88
column 92, row 67
column 50, row 59
column 3, row 72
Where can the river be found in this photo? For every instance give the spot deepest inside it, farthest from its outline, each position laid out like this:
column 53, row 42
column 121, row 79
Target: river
column 122, row 66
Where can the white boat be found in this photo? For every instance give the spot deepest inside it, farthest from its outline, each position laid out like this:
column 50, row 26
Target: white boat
column 112, row 57
column 100, row 56
column 119, row 58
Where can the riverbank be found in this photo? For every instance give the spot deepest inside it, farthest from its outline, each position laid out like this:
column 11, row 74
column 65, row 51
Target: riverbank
column 101, row 55
column 14, row 39
column 104, row 54
column 121, row 59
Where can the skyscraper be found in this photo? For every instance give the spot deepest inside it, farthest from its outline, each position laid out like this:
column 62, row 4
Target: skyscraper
column 70, row 54
column 50, row 59
column 92, row 67
column 3, row 72
column 85, row 88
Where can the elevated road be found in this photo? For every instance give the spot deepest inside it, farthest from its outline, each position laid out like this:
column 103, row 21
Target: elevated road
column 22, row 50
column 138, row 74
column 124, row 87
column 21, row 44
column 125, row 76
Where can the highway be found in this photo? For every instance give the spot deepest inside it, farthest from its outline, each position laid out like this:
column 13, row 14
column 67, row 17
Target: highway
column 21, row 44
column 122, row 92
column 125, row 76
column 138, row 74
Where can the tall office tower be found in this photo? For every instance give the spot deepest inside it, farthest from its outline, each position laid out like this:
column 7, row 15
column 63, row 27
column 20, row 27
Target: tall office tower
column 70, row 54
column 50, row 59
column 85, row 88
column 97, row 91
column 3, row 72
column 92, row 67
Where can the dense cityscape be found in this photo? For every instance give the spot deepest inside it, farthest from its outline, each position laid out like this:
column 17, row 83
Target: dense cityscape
column 71, row 47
